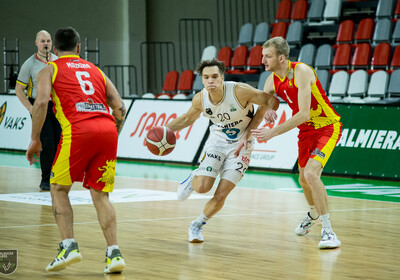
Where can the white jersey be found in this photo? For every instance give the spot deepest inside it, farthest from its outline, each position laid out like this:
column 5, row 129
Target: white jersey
column 229, row 118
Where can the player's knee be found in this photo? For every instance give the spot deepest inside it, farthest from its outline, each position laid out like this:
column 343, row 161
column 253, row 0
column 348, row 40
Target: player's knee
column 202, row 187
column 310, row 176
column 302, row 181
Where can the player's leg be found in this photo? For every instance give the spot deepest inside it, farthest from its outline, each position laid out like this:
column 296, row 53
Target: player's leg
column 202, row 179
column 323, row 143
column 63, row 175
column 106, row 215
column 312, row 174
column 232, row 171
column 215, row 204
column 312, row 215
column 212, row 207
column 99, row 179
column 63, row 214
column 108, row 223
column 62, row 210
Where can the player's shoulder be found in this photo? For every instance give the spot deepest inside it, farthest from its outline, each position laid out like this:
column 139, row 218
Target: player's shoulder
column 197, row 100
column 197, row 97
column 302, row 67
column 244, row 89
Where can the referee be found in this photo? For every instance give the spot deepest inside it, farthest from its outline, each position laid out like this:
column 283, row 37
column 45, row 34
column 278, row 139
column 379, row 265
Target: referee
column 25, row 90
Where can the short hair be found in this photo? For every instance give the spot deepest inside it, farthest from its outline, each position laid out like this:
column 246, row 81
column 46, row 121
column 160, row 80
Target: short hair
column 281, row 46
column 209, row 63
column 66, row 39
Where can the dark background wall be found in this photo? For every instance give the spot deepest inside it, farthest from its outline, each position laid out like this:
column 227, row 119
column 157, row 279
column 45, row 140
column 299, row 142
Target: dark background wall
column 125, row 27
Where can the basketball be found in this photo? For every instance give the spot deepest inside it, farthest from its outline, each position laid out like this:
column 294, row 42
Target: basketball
column 160, row 140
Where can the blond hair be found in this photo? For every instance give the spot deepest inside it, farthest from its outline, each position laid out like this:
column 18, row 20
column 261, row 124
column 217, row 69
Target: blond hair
column 280, row 45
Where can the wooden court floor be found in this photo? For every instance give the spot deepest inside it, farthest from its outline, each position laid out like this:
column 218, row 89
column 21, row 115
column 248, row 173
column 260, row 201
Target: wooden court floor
column 251, row 238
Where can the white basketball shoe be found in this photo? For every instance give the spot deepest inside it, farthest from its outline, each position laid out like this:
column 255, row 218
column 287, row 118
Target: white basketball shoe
column 194, row 232
column 329, row 239
column 305, row 225
column 185, row 188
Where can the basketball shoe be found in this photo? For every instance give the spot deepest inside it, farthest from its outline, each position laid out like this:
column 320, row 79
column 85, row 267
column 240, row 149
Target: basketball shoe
column 329, row 239
column 305, row 225
column 114, row 263
column 65, row 257
column 185, row 188
column 195, row 235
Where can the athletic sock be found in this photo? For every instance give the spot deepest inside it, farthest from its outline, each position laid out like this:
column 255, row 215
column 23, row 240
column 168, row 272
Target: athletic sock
column 313, row 212
column 201, row 220
column 326, row 222
column 111, row 248
column 67, row 242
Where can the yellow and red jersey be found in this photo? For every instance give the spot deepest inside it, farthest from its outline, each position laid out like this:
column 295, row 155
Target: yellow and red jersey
column 78, row 91
column 321, row 110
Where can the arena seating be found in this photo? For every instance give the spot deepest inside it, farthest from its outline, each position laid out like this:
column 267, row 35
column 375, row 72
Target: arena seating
column 358, row 49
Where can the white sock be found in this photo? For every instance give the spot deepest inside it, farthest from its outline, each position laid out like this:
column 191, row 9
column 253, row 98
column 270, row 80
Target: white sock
column 313, row 212
column 110, row 248
column 67, row 242
column 201, row 220
column 326, row 222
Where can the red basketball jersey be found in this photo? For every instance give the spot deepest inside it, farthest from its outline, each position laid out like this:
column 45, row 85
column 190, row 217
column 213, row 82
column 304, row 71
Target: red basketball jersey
column 321, row 110
column 78, row 91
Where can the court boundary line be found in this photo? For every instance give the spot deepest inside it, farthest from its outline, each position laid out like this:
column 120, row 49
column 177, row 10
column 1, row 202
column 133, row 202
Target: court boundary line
column 192, row 217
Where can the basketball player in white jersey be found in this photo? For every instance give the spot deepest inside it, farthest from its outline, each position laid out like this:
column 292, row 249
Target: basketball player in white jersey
column 229, row 106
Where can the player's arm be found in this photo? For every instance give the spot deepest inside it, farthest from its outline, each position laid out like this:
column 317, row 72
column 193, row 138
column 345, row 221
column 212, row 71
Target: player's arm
column 254, row 123
column 43, row 91
column 248, row 94
column 189, row 117
column 270, row 114
column 116, row 104
column 39, row 111
column 304, row 79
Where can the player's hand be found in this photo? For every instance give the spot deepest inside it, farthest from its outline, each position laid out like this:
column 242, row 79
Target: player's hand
column 270, row 116
column 241, row 145
column 34, row 149
column 263, row 134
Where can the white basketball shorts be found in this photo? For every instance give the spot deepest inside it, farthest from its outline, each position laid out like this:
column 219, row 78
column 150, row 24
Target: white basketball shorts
column 218, row 158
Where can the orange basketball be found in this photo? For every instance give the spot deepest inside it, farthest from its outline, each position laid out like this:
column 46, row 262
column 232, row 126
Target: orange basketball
column 160, row 140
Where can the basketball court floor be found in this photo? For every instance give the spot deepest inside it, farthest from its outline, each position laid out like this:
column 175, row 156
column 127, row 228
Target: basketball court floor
column 252, row 237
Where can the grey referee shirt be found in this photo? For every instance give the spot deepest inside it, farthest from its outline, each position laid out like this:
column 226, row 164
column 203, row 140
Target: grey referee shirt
column 28, row 74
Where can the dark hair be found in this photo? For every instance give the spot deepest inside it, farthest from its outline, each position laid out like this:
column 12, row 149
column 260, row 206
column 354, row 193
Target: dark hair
column 210, row 63
column 66, row 39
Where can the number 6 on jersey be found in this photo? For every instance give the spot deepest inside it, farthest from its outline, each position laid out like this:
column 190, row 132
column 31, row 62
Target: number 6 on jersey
column 86, row 86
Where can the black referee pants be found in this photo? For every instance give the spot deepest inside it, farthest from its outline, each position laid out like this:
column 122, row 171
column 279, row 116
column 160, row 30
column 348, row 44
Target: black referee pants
column 49, row 136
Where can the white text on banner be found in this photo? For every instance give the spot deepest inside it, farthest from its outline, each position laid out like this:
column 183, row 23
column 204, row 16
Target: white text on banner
column 145, row 114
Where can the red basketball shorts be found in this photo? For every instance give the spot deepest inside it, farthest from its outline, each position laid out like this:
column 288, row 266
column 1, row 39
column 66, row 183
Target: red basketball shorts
column 87, row 152
column 318, row 144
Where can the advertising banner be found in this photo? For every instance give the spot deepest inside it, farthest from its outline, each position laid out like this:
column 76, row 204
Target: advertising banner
column 146, row 113
column 370, row 142
column 280, row 152
column 15, row 124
